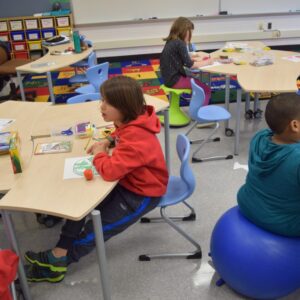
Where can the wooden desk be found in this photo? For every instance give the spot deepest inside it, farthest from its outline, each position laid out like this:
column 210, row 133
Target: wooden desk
column 41, row 188
column 25, row 115
column 49, row 63
column 281, row 76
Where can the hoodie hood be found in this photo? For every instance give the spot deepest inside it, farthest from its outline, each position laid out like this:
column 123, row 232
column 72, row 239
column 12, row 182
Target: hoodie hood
column 265, row 155
column 147, row 121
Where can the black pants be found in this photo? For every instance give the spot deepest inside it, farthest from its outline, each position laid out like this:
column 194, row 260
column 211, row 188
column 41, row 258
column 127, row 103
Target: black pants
column 120, row 209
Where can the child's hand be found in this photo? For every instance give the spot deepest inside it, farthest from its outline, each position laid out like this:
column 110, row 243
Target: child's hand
column 96, row 148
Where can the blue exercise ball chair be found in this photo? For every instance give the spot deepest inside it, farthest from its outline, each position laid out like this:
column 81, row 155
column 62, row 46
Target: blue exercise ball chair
column 254, row 262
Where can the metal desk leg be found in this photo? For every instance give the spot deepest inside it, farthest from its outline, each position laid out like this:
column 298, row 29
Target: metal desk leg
column 21, row 86
column 167, row 139
column 100, row 248
column 50, row 87
column 256, row 105
column 238, row 121
column 9, row 228
column 227, row 94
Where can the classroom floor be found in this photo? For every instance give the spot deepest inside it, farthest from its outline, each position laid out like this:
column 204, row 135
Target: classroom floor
column 162, row 279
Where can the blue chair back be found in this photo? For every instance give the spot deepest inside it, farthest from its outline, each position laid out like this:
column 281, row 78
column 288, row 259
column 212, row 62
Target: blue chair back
column 197, row 100
column 97, row 75
column 84, row 98
column 92, row 59
column 183, row 150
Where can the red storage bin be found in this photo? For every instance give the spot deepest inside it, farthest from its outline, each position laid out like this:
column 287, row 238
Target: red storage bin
column 4, row 36
column 21, row 55
column 19, row 46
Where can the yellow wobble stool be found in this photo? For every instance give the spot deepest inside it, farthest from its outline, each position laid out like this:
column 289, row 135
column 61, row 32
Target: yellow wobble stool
column 178, row 118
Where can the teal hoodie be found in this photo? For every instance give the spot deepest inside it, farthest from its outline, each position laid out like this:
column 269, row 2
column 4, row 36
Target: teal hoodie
column 270, row 196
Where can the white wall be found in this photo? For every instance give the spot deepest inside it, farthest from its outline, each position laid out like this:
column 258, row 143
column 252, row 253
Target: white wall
column 142, row 37
column 95, row 11
column 259, row 6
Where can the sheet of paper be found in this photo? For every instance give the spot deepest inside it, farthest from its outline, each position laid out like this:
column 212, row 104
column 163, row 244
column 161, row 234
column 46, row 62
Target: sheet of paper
column 75, row 166
column 5, row 122
column 293, row 58
column 216, row 63
column 237, row 165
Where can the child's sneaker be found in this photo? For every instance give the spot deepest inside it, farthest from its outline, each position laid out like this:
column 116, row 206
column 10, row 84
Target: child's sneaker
column 35, row 273
column 48, row 260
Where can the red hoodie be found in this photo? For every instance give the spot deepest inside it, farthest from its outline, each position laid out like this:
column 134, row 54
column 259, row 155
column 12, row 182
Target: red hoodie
column 137, row 160
column 8, row 269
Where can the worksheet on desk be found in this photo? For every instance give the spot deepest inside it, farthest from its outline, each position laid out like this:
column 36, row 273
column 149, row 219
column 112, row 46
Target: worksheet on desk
column 75, row 166
column 5, row 122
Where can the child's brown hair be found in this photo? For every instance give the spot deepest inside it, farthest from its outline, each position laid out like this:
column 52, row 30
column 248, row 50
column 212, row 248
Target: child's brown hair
column 125, row 94
column 180, row 28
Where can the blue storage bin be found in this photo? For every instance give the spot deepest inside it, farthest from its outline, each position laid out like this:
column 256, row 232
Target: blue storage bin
column 17, row 35
column 33, row 34
column 48, row 33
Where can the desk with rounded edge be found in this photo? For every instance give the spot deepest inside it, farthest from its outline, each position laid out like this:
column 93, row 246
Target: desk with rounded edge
column 49, row 63
column 41, row 188
column 279, row 77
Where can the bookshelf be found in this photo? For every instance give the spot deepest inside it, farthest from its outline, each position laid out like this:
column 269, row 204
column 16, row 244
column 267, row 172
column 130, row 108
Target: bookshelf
column 24, row 35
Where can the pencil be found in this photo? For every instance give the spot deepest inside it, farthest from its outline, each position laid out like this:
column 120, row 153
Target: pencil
column 87, row 144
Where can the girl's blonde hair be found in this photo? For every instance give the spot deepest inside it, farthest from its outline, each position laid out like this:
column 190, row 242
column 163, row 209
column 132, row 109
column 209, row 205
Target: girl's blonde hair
column 180, row 28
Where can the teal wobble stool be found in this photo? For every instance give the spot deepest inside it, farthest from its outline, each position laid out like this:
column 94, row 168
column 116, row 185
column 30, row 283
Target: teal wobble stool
column 177, row 117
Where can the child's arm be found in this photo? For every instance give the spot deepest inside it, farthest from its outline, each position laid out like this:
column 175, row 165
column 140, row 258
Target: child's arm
column 202, row 63
column 123, row 160
column 99, row 147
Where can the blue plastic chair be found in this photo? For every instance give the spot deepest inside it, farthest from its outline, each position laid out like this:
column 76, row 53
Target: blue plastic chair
column 206, row 114
column 87, row 63
column 96, row 76
column 179, row 189
column 84, row 98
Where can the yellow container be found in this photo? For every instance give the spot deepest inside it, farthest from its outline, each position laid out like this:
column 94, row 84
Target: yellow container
column 14, row 152
column 64, row 31
column 34, row 45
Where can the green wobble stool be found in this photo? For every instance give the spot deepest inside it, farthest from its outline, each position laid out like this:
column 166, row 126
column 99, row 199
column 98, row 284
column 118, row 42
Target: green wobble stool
column 178, row 118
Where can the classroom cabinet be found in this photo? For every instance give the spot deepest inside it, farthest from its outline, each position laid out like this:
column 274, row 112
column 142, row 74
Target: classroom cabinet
column 25, row 34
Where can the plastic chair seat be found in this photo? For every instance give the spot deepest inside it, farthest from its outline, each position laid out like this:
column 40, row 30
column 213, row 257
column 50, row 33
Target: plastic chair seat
column 86, row 89
column 178, row 118
column 212, row 113
column 78, row 78
column 177, row 192
column 84, row 98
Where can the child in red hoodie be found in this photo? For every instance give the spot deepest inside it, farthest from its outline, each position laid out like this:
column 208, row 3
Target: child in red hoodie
column 136, row 161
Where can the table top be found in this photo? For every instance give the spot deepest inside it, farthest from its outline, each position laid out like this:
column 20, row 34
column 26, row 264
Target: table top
column 41, row 188
column 50, row 62
column 280, row 76
column 25, row 115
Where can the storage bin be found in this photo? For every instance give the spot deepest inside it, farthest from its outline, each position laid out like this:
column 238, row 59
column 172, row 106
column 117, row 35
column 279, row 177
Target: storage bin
column 19, row 46
column 63, row 21
column 31, row 24
column 64, row 31
column 17, row 35
column 34, row 45
column 16, row 25
column 3, row 26
column 33, row 34
column 4, row 36
column 47, row 22
column 21, row 55
column 48, row 33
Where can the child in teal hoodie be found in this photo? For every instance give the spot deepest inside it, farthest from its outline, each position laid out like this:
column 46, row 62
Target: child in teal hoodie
column 270, row 197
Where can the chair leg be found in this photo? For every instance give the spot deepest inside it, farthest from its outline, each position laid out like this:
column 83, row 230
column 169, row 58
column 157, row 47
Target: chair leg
column 216, row 139
column 197, row 254
column 195, row 159
column 190, row 217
